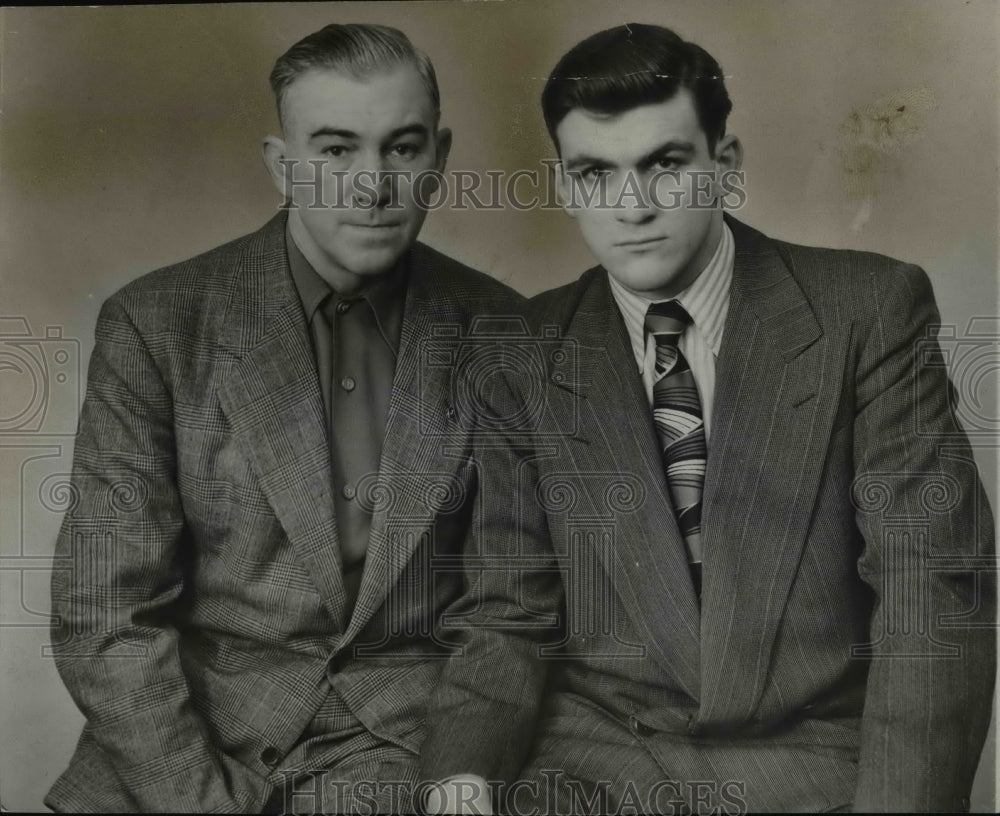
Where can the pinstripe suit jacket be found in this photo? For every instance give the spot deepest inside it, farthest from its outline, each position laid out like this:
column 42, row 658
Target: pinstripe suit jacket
column 843, row 652
column 206, row 608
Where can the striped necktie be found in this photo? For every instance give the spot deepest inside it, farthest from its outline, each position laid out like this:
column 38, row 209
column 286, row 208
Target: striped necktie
column 679, row 424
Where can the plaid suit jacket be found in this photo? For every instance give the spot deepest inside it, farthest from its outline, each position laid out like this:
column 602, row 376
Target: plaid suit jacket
column 205, row 608
column 843, row 653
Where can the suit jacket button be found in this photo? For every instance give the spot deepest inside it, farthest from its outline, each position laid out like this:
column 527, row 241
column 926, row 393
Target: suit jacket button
column 270, row 756
column 335, row 664
column 693, row 727
column 640, row 729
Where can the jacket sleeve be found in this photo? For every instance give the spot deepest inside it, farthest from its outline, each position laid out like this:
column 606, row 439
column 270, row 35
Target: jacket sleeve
column 929, row 547
column 482, row 715
column 116, row 646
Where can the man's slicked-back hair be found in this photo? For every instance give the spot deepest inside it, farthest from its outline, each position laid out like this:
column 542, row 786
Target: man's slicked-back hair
column 631, row 65
column 356, row 49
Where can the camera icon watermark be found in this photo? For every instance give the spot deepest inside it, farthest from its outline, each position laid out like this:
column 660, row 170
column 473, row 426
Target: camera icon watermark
column 972, row 359
column 39, row 379
column 500, row 377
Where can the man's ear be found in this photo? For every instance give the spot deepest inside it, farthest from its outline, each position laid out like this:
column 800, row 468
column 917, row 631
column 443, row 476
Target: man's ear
column 728, row 161
column 729, row 154
column 564, row 190
column 443, row 145
column 273, row 151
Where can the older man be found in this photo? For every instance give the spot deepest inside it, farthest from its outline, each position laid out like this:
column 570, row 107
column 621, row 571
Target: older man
column 265, row 470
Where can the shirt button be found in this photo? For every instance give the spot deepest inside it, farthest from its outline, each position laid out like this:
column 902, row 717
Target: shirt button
column 348, row 383
column 348, row 492
column 343, row 307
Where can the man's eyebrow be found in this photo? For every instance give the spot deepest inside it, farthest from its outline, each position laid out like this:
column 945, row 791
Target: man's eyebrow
column 672, row 146
column 583, row 160
column 332, row 131
column 415, row 129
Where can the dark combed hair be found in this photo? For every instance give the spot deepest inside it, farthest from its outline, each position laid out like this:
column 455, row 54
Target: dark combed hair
column 357, row 49
column 635, row 64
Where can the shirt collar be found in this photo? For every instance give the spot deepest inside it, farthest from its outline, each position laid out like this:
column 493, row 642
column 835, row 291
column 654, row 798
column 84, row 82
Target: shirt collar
column 706, row 299
column 311, row 287
column 386, row 294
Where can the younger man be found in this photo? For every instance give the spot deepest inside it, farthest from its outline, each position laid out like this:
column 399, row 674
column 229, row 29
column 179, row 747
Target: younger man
column 775, row 549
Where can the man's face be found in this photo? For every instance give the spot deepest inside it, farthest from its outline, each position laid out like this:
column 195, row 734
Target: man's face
column 344, row 131
column 653, row 221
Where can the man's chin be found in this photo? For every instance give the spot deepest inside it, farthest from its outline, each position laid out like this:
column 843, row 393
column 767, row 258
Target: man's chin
column 376, row 253
column 649, row 282
column 374, row 264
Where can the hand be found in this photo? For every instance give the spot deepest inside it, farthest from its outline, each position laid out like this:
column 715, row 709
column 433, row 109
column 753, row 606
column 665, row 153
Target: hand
column 466, row 793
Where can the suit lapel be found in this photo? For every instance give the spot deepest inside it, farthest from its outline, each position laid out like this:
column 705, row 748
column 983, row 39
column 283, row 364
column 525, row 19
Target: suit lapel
column 648, row 562
column 775, row 399
column 271, row 396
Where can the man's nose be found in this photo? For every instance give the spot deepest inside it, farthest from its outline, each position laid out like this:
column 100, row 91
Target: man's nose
column 635, row 213
column 632, row 203
column 371, row 179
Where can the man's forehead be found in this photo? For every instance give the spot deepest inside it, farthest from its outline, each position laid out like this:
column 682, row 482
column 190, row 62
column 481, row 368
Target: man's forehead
column 395, row 91
column 636, row 130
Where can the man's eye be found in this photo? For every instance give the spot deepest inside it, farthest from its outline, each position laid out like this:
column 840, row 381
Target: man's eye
column 593, row 173
column 405, row 150
column 335, row 150
column 667, row 163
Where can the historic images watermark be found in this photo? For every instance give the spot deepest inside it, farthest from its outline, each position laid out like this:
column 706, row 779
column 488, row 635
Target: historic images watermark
column 550, row 791
column 522, row 190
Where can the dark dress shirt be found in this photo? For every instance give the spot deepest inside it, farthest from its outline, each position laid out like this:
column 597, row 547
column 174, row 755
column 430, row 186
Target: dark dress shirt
column 355, row 339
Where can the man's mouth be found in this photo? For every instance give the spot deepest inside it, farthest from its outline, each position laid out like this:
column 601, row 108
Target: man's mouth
column 641, row 243
column 376, row 225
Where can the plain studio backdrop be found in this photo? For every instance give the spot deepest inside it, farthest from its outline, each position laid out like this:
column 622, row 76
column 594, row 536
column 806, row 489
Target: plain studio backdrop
column 130, row 139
